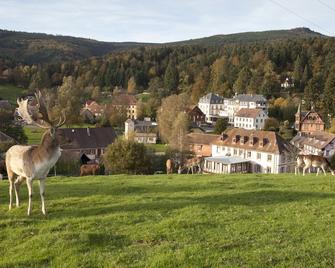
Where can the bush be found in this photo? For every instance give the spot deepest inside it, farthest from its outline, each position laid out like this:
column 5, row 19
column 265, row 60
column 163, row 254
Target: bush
column 127, row 156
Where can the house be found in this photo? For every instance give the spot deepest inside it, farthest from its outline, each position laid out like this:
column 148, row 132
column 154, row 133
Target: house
column 240, row 101
column 145, row 131
column 5, row 105
column 252, row 151
column 201, row 144
column 211, row 104
column 250, row 118
column 96, row 109
column 89, row 143
column 308, row 122
column 6, row 140
column 288, row 83
column 195, row 115
column 127, row 102
column 316, row 143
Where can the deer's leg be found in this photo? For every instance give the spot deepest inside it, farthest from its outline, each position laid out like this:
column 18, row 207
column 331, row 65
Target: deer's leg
column 30, row 194
column 11, row 177
column 42, row 192
column 17, row 185
column 296, row 170
column 11, row 183
column 304, row 170
column 324, row 171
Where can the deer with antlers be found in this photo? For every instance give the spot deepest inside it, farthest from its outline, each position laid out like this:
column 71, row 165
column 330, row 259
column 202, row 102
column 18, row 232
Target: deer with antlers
column 25, row 163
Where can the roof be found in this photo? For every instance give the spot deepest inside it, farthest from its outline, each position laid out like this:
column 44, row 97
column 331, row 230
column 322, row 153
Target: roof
column 311, row 117
column 4, row 104
column 318, row 140
column 124, row 99
column 5, row 138
column 87, row 138
column 249, row 98
column 200, row 138
column 227, row 160
column 211, row 98
column 264, row 141
column 250, row 113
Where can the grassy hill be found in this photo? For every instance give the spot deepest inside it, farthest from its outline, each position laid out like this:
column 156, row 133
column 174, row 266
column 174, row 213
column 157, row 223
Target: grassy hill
column 173, row 221
column 11, row 92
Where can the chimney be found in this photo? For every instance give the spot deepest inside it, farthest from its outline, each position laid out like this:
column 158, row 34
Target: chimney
column 88, row 131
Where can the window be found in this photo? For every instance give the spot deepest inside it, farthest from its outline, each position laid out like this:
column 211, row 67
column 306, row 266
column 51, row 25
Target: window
column 259, row 156
column 249, row 154
column 268, row 170
column 269, row 157
column 235, row 151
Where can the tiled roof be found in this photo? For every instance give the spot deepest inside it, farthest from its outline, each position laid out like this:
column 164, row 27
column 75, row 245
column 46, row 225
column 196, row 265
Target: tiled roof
column 249, row 98
column 199, row 138
column 87, row 138
column 250, row 113
column 124, row 99
column 211, row 98
column 259, row 140
column 316, row 139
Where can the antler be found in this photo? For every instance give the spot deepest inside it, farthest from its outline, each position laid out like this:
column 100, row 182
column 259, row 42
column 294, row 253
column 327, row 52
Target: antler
column 26, row 116
column 61, row 121
column 42, row 108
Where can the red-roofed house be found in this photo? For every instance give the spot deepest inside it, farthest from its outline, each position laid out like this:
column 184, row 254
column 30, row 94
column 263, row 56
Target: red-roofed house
column 250, row 118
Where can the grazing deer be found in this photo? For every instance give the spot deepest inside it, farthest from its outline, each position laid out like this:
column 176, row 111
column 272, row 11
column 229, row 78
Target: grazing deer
column 192, row 163
column 169, row 166
column 299, row 164
column 89, row 169
column 318, row 162
column 25, row 163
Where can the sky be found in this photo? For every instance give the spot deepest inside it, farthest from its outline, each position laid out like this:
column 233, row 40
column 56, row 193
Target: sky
column 163, row 21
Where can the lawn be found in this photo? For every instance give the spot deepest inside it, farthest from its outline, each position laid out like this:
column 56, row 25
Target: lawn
column 11, row 93
column 173, row 221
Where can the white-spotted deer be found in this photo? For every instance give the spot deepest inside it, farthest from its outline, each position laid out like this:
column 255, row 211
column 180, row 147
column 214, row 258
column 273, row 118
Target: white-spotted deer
column 33, row 162
column 318, row 162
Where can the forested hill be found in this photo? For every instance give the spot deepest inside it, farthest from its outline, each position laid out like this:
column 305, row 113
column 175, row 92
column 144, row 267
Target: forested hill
column 33, row 48
column 219, row 40
column 258, row 66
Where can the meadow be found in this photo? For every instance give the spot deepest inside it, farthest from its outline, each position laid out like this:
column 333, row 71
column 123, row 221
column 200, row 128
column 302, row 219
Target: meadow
column 11, row 92
column 173, row 221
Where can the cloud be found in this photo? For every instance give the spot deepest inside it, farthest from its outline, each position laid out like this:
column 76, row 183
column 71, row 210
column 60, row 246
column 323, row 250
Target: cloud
column 162, row 21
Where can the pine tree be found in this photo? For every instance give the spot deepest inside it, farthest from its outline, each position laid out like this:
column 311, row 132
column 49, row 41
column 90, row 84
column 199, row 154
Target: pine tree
column 171, row 77
column 329, row 93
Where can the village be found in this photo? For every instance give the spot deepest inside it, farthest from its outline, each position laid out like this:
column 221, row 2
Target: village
column 244, row 146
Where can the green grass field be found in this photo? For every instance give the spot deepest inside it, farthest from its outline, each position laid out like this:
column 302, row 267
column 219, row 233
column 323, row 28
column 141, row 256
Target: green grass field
column 173, row 221
column 11, row 93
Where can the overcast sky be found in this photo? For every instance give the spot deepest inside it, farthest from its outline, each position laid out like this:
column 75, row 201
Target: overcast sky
column 165, row 20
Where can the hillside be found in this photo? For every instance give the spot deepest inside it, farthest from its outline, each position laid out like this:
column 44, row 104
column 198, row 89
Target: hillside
column 241, row 38
column 173, row 221
column 32, row 48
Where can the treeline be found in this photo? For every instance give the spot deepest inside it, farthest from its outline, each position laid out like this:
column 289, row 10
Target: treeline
column 258, row 67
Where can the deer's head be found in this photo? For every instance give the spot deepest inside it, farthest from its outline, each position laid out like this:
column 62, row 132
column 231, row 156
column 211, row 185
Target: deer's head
column 40, row 118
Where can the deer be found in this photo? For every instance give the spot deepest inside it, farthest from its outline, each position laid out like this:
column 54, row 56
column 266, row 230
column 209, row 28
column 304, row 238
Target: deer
column 27, row 163
column 318, row 162
column 192, row 163
column 89, row 169
column 169, row 166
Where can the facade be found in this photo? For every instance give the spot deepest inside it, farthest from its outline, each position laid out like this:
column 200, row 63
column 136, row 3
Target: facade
column 196, row 116
column 266, row 150
column 127, row 102
column 201, row 144
column 96, row 109
column 250, row 118
column 288, row 83
column 87, row 142
column 316, row 143
column 226, row 165
column 211, row 104
column 308, row 122
column 242, row 101
column 142, row 131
